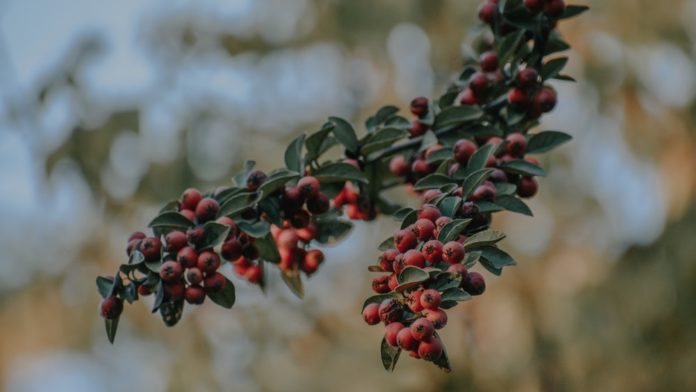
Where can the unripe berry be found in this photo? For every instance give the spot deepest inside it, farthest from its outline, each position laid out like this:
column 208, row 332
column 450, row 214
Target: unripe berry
column 468, row 97
column 474, row 283
column 458, row 269
column 299, row 219
column 288, row 239
column 208, row 262
column 390, row 333
column 194, row 275
column 255, row 179
column 390, row 311
column 318, row 205
column 425, row 228
column 174, row 290
column 453, row 252
column 404, row 240
column 527, row 187
column 534, row 6
column 430, row 212
column 175, row 240
column 207, row 210
column 187, row 257
column 231, row 249
column 190, row 199
column 195, row 235
column 380, row 284
column 419, row 106
column 371, row 314
column 171, row 271
column 418, row 128
column 554, row 7
column 545, row 99
column 430, row 351
column 518, row 98
column 463, row 150
column 430, row 299
column 214, row 282
column 414, row 258
column 414, row 301
column 151, row 248
column 528, row 77
column 422, row 329
column 432, row 250
column 309, row 187
column 195, row 295
column 489, row 61
column 437, row 316
column 487, row 12
column 312, row 260
column 479, row 83
column 111, row 307
column 405, row 339
column 398, row 166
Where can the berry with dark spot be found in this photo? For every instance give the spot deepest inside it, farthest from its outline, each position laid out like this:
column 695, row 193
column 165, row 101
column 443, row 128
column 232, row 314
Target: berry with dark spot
column 404, row 240
column 390, row 333
column 208, row 262
column 207, row 210
column 214, row 282
column 309, row 187
column 171, row 271
column 432, row 250
column 422, row 329
column 151, row 248
column 187, row 257
column 195, row 295
column 453, row 252
column 419, row 106
column 175, row 241
column 430, row 299
column 111, row 307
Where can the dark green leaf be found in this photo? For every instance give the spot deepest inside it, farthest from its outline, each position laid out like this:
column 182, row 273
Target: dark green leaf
column 489, row 267
column 315, row 141
column 520, row 166
column 339, row 172
column 293, row 155
column 213, row 235
column 384, row 113
column 497, row 257
column 553, row 67
column 294, row 282
column 443, row 361
column 505, row 188
column 345, row 134
column 445, row 280
column 171, row 220
column 412, row 274
column 111, row 327
column 271, row 206
column 402, row 213
column 470, row 258
column 268, row 250
column 447, row 100
column 451, row 231
column 153, row 266
column 488, row 206
column 332, row 230
column 484, row 238
column 409, row 219
column 390, row 355
column 382, row 139
column 432, row 181
column 565, row 78
column 556, row 44
column 440, row 155
column 129, row 292
column 546, row 140
column 456, row 115
column 104, row 285
column 173, row 205
column 450, row 205
column 511, row 203
column 455, row 294
column 473, row 180
column 225, row 297
column 159, row 296
column 275, row 181
column 237, row 203
column 573, row 10
column 386, row 244
column 508, row 46
column 378, row 299
column 429, row 139
column 479, row 159
column 255, row 229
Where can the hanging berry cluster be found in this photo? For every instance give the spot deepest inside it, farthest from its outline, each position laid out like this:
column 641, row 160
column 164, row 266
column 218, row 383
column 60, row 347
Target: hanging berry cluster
column 466, row 154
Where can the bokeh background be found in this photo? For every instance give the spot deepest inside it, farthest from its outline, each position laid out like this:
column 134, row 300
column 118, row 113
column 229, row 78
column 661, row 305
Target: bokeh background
column 108, row 109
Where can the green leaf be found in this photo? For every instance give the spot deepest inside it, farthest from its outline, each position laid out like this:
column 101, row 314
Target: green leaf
column 256, row 229
column 440, row 155
column 129, row 292
column 237, row 203
column 520, row 17
column 445, row 280
column 268, row 250
column 382, row 115
column 294, row 282
column 456, row 115
column 214, row 234
column 225, row 297
column 553, row 67
column 508, row 46
column 378, row 299
column 172, row 205
column 489, row 267
column 497, row 257
column 511, row 203
column 402, row 213
column 470, row 258
column 104, row 286
column 275, row 181
column 556, row 44
column 451, row 231
column 565, row 78
column 111, row 327
column 473, row 180
column 411, row 277
column 546, row 140
column 171, row 220
column 271, row 206
column 488, row 206
column 520, row 166
column 443, row 361
column 159, row 296
column 389, row 354
column 409, row 219
column 429, row 139
column 332, row 230
column 479, row 159
column 293, row 155
column 432, row 181
column 447, row 99
column 339, row 172
column 386, row 244
column 455, row 294
column 316, row 141
column 449, row 205
column 483, row 238
column 345, row 134
column 573, row 10
column 382, row 139
column 505, row 189
column 171, row 312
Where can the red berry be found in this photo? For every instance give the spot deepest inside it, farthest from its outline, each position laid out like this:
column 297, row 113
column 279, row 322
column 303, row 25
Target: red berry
column 431, row 194
column 399, row 264
column 458, row 269
column 414, row 301
column 405, row 339
column 554, row 7
column 291, row 200
column 528, row 77
column 518, row 98
column 309, row 186
column 214, row 282
column 171, row 271
column 440, row 223
column 425, row 229
column 418, row 128
column 111, row 307
column 318, row 205
column 190, row 199
column 195, row 295
column 430, row 299
column 437, row 316
column 516, row 144
column 255, row 179
column 545, row 99
column 414, row 258
column 195, row 235
column 479, row 83
column 188, row 214
column 387, row 259
column 489, row 61
column 390, row 311
column 187, row 257
column 391, row 331
column 453, row 252
column 144, row 290
column 468, row 97
column 419, row 106
column 420, row 168
column 430, row 212
column 422, row 329
column 380, row 284
column 231, row 249
column 404, row 240
column 527, row 187
column 175, row 240
column 498, row 176
column 208, row 262
column 151, row 248
column 207, row 210
column 134, row 244
column 194, row 275
column 463, row 150
column 398, row 166
column 474, row 283
column 485, row 191
column 138, row 235
column 430, row 351
column 174, row 290
column 432, row 250
column 393, row 282
column 371, row 314
column 487, row 12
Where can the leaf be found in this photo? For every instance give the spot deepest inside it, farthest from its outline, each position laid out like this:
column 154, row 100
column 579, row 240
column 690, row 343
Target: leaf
column 382, row 139
column 546, row 140
column 483, row 238
column 225, row 297
column 159, row 296
column 573, row 10
column 443, row 361
column 449, row 205
column 511, row 203
column 411, row 277
column 451, row 231
column 488, row 206
column 330, row 231
column 104, row 286
column 271, row 207
column 315, row 141
column 505, row 189
column 378, row 299
column 386, row 244
column 429, row 139
column 432, row 181
column 409, row 219
column 440, row 155
column 237, row 203
column 111, row 327
column 172, row 205
column 275, row 181
column 293, row 281
column 345, row 134
column 255, row 229
column 480, row 157
column 445, row 280
column 520, row 166
column 268, row 250
column 389, row 354
column 455, row 294
column 129, row 293
column 565, row 78
column 473, row 180
column 213, row 235
column 293, row 155
column 339, row 172
column 153, row 266
column 171, row 220
column 489, row 267
column 553, row 67
column 382, row 115
column 456, row 115
column 497, row 257
column 402, row 213
column 470, row 258
column 556, row 44
column 171, row 312
column 508, row 46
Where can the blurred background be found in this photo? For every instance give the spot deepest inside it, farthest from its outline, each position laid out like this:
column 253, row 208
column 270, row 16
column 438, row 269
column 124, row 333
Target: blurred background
column 109, row 109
